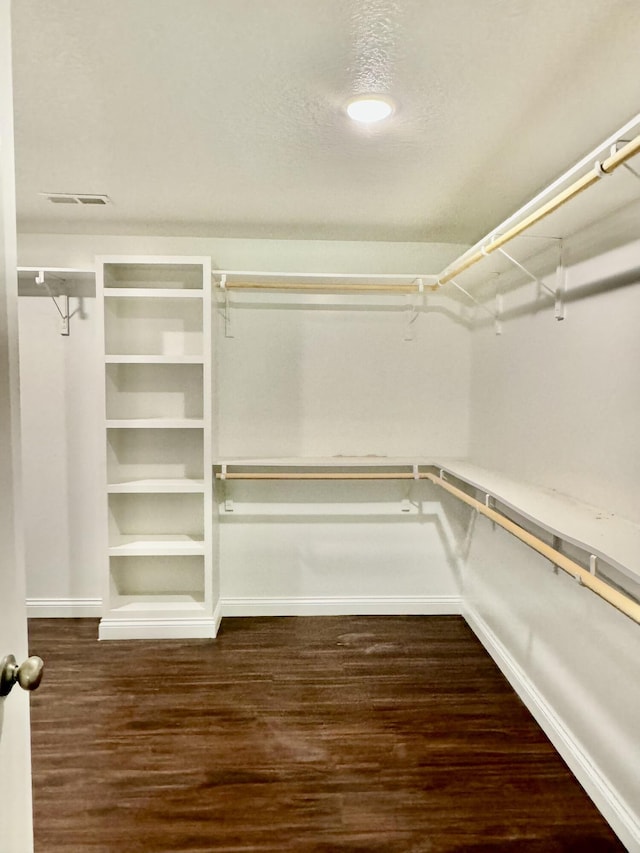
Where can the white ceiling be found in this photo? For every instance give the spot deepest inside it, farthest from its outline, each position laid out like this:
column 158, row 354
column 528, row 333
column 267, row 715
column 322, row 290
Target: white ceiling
column 225, row 117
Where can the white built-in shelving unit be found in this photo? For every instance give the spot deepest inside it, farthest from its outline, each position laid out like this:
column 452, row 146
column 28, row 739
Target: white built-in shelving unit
column 161, row 576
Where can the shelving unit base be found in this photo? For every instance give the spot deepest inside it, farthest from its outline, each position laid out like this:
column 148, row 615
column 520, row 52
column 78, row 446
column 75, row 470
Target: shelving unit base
column 205, row 628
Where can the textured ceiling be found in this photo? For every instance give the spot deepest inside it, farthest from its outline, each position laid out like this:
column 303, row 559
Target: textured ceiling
column 226, row 117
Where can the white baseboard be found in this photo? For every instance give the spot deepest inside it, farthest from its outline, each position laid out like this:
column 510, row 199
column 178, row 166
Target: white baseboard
column 63, row 608
column 624, row 822
column 427, row 605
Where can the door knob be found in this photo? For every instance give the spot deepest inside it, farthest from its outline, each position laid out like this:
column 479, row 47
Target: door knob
column 28, row 674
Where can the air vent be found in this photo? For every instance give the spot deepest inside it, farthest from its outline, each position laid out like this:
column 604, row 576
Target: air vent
column 76, row 198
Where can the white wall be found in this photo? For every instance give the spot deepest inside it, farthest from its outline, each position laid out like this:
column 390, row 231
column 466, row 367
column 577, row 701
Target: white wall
column 334, row 376
column 62, row 445
column 79, row 250
column 330, row 377
column 297, row 378
column 574, row 660
column 558, row 404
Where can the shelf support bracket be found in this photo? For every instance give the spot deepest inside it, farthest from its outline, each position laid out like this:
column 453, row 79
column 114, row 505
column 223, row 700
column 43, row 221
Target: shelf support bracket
column 495, row 315
column 414, row 304
column 228, row 332
column 227, row 502
column 561, row 284
column 64, row 311
column 558, row 293
column 614, row 150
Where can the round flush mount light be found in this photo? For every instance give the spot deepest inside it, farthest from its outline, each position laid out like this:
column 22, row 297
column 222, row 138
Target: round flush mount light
column 369, row 109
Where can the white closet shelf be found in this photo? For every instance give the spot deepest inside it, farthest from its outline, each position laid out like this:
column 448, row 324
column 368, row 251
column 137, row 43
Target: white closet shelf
column 309, row 462
column 154, row 359
column 155, row 423
column 142, row 603
column 152, row 293
column 173, row 485
column 611, row 538
column 174, row 544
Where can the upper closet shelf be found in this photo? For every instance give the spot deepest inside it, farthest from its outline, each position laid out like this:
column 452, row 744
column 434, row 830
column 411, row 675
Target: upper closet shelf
column 71, row 281
column 311, row 463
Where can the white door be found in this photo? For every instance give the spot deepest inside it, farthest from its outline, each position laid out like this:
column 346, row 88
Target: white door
column 16, row 832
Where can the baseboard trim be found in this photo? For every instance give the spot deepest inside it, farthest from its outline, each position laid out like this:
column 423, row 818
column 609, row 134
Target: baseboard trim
column 63, row 608
column 158, row 629
column 429, row 605
column 624, row 822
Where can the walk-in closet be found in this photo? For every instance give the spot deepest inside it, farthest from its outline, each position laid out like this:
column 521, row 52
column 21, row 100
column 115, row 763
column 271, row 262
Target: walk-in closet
column 323, row 425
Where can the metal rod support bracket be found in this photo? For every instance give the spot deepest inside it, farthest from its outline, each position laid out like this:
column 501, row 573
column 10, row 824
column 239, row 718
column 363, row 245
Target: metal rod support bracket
column 559, row 291
column 63, row 312
column 614, row 150
column 228, row 332
column 528, row 273
column 493, row 314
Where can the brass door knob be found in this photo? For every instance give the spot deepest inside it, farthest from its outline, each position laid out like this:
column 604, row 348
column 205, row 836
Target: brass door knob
column 28, row 675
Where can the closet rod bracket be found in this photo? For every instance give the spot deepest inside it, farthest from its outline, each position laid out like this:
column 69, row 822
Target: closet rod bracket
column 495, row 315
column 226, row 311
column 557, row 293
column 64, row 311
column 614, row 150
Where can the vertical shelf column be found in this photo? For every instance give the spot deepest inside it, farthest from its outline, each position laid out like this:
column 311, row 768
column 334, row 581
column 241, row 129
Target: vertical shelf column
column 161, row 575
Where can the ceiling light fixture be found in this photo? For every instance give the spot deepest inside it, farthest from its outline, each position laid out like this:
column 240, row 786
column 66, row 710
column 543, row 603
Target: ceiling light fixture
column 368, row 109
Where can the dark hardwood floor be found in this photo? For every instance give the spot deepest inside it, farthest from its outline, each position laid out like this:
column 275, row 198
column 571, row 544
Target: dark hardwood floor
column 294, row 734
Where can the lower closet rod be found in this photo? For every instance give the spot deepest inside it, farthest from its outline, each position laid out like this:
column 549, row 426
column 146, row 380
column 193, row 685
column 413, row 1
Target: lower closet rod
column 611, row 595
column 387, row 475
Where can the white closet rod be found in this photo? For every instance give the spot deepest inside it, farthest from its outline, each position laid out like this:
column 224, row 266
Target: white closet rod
column 610, row 594
column 600, row 169
column 306, row 475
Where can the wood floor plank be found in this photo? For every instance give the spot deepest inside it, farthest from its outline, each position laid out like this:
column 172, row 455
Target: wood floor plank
column 292, row 735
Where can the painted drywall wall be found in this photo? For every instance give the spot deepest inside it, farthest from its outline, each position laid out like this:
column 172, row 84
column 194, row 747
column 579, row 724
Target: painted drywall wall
column 558, row 403
column 335, row 377
column 61, row 447
column 332, row 377
column 295, row 379
column 336, row 548
column 573, row 659
column 79, row 250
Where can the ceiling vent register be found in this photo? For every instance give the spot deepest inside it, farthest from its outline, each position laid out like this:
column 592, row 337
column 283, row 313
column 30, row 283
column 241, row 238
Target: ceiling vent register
column 77, row 198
